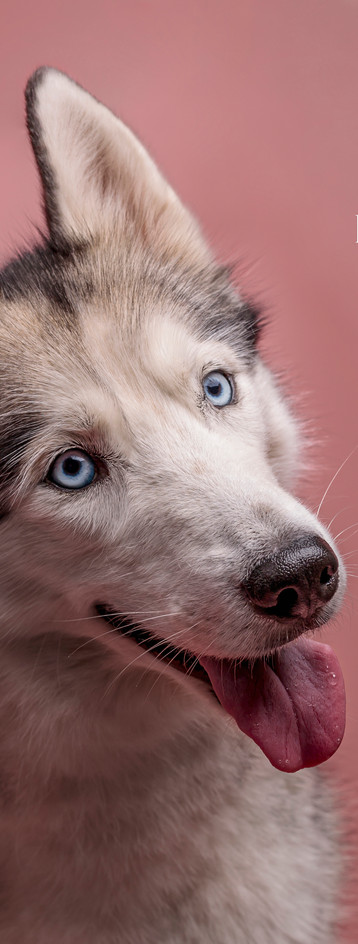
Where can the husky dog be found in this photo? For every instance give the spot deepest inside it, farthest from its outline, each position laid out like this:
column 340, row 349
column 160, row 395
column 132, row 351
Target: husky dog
column 160, row 688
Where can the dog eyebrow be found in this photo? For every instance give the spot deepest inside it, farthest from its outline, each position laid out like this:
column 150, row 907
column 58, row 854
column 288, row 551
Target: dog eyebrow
column 240, row 329
column 217, row 311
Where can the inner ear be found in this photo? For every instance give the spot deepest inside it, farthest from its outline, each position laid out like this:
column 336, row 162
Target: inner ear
column 97, row 176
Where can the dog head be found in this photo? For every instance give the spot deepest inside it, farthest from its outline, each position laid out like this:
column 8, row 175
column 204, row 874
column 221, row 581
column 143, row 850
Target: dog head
column 147, row 451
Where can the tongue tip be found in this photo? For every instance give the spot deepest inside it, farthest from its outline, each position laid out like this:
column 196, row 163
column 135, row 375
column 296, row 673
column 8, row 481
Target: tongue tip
column 295, row 713
column 310, row 759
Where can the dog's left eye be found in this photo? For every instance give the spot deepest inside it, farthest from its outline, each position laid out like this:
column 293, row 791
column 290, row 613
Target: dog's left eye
column 218, row 388
column 72, row 469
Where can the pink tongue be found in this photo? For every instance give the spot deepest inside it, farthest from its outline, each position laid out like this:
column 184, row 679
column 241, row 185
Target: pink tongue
column 294, row 710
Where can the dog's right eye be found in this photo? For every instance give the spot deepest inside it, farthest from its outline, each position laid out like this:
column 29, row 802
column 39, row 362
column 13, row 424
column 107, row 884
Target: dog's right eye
column 72, row 469
column 218, row 388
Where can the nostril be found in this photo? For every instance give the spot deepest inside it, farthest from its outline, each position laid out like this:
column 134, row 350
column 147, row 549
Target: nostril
column 326, row 575
column 287, row 601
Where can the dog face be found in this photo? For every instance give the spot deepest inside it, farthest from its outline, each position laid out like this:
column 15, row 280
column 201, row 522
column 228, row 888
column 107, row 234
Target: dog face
column 147, row 452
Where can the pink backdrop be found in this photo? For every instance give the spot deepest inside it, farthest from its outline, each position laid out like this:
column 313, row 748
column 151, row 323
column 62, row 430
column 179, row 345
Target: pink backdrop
column 250, row 109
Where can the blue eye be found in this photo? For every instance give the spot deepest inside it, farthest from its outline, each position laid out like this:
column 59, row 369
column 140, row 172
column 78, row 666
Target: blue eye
column 218, row 388
column 72, row 469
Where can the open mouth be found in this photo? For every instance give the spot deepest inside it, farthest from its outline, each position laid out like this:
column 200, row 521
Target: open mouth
column 181, row 659
column 292, row 704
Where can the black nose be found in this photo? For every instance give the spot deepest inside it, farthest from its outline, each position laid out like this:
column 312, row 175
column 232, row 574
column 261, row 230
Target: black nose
column 296, row 581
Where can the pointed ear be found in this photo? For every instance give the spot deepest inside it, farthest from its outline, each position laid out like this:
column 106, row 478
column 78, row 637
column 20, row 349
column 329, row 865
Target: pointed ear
column 96, row 175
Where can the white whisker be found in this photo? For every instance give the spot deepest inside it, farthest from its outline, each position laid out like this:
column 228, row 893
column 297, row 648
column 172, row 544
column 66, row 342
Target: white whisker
column 132, row 614
column 114, row 629
column 334, row 477
column 340, row 512
column 162, row 658
column 93, row 639
column 354, row 525
column 140, row 655
column 349, row 554
column 148, row 619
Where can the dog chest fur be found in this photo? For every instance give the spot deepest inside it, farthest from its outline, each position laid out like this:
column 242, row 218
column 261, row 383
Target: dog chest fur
column 193, row 838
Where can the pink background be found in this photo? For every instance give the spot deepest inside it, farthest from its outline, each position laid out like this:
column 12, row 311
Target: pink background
column 250, row 108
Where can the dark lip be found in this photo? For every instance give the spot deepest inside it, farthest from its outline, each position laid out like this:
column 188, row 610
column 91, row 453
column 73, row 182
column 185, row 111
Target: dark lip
column 181, row 659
